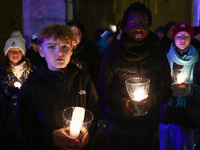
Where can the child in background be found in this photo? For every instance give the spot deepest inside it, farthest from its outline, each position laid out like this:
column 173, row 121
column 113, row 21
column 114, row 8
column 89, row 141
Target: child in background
column 85, row 53
column 15, row 69
column 33, row 54
column 179, row 118
column 104, row 42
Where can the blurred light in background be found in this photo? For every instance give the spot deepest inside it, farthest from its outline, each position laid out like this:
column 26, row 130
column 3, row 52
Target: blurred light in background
column 113, row 28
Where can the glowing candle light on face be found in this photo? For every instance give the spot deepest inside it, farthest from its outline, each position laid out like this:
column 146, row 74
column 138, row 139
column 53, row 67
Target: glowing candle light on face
column 76, row 122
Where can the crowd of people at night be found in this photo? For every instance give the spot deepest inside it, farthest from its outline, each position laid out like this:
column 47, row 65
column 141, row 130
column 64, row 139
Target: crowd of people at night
column 63, row 68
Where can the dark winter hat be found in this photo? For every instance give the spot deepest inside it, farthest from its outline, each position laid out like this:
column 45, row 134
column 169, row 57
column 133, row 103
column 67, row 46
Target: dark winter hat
column 196, row 30
column 34, row 37
column 182, row 26
column 160, row 29
column 168, row 26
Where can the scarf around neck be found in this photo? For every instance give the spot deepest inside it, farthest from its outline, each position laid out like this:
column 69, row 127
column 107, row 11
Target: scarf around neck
column 187, row 61
column 136, row 51
column 18, row 70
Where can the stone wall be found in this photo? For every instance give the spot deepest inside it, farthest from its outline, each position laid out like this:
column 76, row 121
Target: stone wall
column 39, row 13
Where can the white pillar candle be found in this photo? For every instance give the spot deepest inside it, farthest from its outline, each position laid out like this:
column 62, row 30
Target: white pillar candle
column 76, row 121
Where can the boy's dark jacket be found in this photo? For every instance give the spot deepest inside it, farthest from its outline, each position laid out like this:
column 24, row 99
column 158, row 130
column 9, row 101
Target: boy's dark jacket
column 125, row 59
column 45, row 95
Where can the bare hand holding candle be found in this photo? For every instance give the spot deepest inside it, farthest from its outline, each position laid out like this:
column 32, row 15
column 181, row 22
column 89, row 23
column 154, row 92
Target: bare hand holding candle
column 138, row 89
column 77, row 121
column 180, row 85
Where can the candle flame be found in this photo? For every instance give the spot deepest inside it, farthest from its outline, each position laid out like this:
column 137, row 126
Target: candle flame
column 180, row 78
column 17, row 84
column 139, row 94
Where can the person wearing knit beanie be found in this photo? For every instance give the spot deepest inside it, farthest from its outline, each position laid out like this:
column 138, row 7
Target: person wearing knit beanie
column 15, row 69
column 15, row 41
column 179, row 117
column 182, row 26
column 182, row 36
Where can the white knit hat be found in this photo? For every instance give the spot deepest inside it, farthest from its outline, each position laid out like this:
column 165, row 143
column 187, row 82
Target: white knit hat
column 15, row 41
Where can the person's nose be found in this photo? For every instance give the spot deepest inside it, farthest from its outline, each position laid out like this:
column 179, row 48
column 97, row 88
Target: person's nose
column 15, row 52
column 138, row 26
column 59, row 51
column 183, row 38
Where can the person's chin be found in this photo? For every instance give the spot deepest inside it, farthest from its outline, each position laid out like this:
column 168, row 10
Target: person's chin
column 138, row 39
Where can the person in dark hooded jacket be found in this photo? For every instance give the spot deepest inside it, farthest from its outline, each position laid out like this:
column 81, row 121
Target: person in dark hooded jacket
column 136, row 54
column 166, row 41
column 85, row 52
column 57, row 85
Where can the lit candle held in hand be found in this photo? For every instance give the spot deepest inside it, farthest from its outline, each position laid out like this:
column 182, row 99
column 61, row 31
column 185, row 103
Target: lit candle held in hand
column 76, row 121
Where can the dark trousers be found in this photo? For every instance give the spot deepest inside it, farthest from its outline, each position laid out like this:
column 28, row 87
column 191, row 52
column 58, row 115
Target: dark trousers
column 120, row 139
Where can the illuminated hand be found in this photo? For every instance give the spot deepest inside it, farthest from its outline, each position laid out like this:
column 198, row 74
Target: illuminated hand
column 181, row 89
column 85, row 137
column 63, row 140
column 144, row 105
column 127, row 107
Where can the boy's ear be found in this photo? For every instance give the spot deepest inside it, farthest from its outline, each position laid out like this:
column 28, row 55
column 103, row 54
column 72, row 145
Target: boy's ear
column 40, row 51
column 71, row 50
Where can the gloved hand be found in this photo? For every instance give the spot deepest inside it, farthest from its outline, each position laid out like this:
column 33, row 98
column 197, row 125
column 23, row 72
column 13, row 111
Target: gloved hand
column 11, row 90
column 181, row 89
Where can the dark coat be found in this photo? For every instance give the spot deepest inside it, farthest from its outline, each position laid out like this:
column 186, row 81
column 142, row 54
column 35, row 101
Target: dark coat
column 87, row 58
column 10, row 134
column 122, row 62
column 34, row 57
column 7, row 89
column 165, row 44
column 42, row 99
